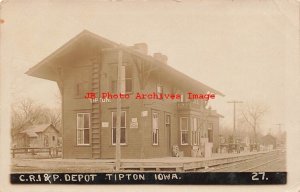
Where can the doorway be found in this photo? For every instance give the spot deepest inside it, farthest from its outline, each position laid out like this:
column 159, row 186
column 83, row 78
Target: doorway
column 168, row 134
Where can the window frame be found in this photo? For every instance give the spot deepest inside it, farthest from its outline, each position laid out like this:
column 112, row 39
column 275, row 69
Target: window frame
column 124, row 80
column 82, row 81
column 81, row 87
column 128, row 78
column 112, row 129
column 161, row 87
column 89, row 128
column 184, row 131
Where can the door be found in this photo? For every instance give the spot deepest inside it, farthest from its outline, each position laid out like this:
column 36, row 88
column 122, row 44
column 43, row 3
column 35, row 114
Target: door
column 168, row 134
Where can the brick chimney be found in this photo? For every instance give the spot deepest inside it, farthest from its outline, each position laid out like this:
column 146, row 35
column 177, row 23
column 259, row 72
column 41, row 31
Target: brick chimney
column 161, row 57
column 141, row 47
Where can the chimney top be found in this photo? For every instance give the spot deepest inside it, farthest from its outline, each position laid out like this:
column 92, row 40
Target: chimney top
column 161, row 57
column 141, row 47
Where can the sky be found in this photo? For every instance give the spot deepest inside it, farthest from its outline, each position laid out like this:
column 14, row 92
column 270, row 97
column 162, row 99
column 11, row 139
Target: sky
column 241, row 48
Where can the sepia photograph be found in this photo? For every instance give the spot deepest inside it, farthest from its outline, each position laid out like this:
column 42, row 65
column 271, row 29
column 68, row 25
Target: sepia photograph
column 148, row 92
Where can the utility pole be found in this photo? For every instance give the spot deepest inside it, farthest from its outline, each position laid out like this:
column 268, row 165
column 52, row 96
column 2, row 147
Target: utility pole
column 234, row 110
column 118, row 128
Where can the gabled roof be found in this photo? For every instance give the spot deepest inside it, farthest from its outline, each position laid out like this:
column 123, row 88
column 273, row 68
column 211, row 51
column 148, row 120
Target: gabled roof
column 37, row 71
column 31, row 134
column 33, row 130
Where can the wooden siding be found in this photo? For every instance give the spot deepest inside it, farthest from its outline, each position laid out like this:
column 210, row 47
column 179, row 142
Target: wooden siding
column 138, row 140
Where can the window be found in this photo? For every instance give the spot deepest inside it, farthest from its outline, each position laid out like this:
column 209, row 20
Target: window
column 159, row 89
column 53, row 138
column 182, row 98
column 82, row 81
column 81, row 88
column 210, row 132
column 195, row 132
column 123, row 128
column 184, row 130
column 83, row 128
column 126, row 80
column 155, row 133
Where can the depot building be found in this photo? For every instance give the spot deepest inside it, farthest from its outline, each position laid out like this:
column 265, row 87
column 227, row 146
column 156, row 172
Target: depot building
column 149, row 128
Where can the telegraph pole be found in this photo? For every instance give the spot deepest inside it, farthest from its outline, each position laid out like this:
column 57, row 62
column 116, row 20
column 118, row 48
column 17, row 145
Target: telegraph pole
column 118, row 128
column 234, row 110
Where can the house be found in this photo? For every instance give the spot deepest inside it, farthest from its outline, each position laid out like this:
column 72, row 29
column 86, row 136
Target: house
column 41, row 135
column 268, row 142
column 16, row 136
column 151, row 122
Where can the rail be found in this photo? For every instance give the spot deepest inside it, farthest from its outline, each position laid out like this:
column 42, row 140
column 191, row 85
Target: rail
column 52, row 151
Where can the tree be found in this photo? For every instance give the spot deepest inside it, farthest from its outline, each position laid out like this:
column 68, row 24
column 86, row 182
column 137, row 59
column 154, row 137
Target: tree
column 54, row 116
column 253, row 114
column 27, row 111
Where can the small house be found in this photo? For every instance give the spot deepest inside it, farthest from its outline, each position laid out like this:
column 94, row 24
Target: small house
column 39, row 136
column 268, row 142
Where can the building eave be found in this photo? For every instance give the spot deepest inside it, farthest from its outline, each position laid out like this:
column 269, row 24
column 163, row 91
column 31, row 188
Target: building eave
column 39, row 69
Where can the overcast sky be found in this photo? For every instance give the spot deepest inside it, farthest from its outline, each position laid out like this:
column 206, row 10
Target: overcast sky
column 241, row 48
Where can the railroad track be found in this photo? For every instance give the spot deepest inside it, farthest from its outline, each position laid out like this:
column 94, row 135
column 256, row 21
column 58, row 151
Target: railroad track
column 263, row 165
column 247, row 165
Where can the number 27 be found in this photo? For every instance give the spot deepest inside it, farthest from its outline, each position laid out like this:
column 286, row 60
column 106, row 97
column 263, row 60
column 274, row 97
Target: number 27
column 256, row 176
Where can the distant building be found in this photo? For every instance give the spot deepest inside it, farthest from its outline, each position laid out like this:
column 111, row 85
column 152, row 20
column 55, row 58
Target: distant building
column 149, row 127
column 42, row 135
column 268, row 142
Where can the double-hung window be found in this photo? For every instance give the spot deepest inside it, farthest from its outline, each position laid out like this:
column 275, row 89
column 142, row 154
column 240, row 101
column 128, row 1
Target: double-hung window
column 126, row 79
column 83, row 128
column 184, row 123
column 82, row 82
column 123, row 128
column 128, row 84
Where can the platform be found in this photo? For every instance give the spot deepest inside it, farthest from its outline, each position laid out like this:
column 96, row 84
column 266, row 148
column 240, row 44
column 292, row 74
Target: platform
column 153, row 164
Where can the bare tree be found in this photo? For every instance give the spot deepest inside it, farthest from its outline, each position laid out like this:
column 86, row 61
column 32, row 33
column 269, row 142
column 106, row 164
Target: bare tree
column 253, row 114
column 54, row 116
column 27, row 111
